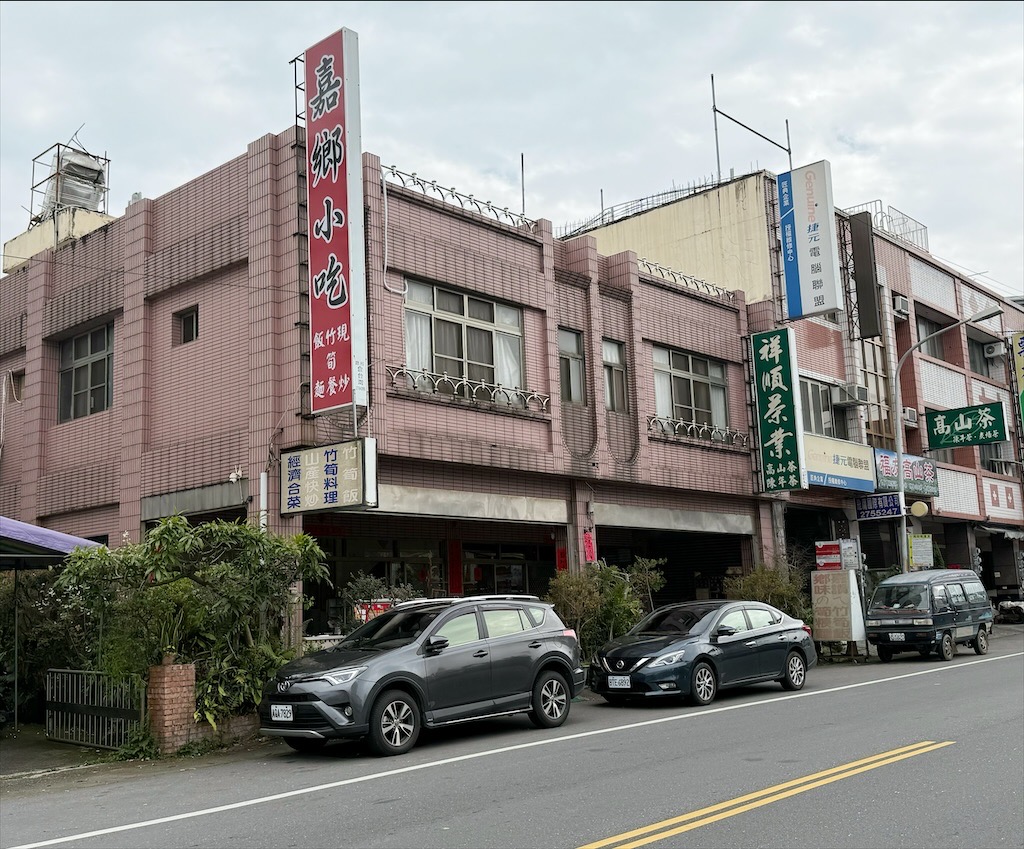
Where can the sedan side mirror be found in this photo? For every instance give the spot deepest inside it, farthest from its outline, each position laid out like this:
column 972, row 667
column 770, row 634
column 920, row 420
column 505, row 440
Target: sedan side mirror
column 724, row 631
column 435, row 645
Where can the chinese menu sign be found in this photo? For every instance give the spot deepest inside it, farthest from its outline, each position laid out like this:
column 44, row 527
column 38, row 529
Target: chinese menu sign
column 330, row 477
column 337, row 273
column 810, row 249
column 780, row 423
column 835, row 599
column 976, row 425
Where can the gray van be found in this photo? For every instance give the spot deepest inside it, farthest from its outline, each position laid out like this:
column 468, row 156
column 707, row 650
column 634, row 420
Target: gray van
column 932, row 610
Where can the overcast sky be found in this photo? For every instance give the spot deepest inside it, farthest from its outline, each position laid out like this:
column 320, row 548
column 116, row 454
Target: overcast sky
column 917, row 105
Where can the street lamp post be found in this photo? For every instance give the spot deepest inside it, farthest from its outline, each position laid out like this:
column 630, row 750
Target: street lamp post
column 989, row 312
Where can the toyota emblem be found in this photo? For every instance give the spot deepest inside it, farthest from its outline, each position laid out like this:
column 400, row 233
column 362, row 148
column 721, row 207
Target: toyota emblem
column 283, row 686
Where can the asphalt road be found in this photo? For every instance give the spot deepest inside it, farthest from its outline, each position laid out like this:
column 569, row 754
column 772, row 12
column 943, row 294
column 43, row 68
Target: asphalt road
column 914, row 753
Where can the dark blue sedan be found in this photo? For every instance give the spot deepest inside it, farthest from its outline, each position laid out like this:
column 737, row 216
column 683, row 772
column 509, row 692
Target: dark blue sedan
column 694, row 649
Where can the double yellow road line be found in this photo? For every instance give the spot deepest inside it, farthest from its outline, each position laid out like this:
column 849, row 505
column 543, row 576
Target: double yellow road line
column 742, row 804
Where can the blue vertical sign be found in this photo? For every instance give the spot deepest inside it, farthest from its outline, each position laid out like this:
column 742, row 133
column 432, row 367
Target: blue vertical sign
column 810, row 247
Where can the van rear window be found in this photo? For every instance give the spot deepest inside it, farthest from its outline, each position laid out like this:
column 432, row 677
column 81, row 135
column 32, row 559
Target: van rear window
column 976, row 593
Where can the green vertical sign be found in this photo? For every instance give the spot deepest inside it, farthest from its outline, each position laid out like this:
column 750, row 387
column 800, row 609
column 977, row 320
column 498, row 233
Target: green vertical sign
column 977, row 425
column 780, row 425
column 1017, row 358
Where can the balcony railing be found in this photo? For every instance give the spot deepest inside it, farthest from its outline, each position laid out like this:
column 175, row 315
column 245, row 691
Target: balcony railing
column 677, row 429
column 1002, row 467
column 457, row 388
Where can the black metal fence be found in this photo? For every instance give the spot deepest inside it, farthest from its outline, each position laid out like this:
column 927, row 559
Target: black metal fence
column 93, row 709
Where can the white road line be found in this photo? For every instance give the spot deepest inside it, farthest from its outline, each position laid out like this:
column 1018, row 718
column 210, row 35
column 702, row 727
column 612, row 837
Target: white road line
column 690, row 714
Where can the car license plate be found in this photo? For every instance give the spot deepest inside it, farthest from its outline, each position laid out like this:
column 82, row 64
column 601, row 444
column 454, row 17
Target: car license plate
column 281, row 713
column 618, row 682
column 898, row 637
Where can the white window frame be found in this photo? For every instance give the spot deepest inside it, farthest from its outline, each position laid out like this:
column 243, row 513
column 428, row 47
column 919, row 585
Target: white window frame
column 673, row 370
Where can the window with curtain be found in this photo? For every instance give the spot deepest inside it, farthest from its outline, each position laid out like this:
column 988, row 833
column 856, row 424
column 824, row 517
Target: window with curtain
column 571, row 366
column 820, row 416
column 86, row 384
column 614, row 357
column 462, row 336
column 926, row 327
column 689, row 388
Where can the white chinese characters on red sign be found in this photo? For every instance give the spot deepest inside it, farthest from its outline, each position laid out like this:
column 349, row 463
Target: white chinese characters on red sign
column 328, row 150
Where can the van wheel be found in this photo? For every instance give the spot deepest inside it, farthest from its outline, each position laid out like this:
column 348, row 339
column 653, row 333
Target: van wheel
column 980, row 642
column 551, row 700
column 394, row 723
column 884, row 654
column 796, row 672
column 947, row 650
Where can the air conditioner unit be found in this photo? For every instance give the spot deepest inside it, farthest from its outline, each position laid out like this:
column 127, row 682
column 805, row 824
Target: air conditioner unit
column 995, row 350
column 900, row 307
column 910, row 417
column 849, row 395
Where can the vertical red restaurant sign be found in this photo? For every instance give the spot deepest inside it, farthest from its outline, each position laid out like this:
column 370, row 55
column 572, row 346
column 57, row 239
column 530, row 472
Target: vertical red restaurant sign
column 337, row 272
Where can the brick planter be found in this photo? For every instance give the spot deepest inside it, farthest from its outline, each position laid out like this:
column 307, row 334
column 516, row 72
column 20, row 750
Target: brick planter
column 171, row 700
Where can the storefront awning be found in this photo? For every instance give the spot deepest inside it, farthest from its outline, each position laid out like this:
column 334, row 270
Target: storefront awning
column 1009, row 533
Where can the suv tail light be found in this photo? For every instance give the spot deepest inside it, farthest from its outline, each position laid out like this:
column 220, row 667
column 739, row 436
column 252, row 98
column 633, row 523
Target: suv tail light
column 807, row 628
column 569, row 632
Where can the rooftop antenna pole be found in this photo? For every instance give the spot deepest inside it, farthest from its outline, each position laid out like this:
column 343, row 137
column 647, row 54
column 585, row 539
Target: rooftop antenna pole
column 717, row 111
column 714, row 111
column 522, row 178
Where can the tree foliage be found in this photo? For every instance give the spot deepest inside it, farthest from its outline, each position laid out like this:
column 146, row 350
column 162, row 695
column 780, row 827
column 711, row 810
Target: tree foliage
column 212, row 594
column 780, row 584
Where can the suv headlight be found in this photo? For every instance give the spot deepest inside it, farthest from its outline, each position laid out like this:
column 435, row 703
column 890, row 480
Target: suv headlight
column 927, row 621
column 668, row 659
column 339, row 676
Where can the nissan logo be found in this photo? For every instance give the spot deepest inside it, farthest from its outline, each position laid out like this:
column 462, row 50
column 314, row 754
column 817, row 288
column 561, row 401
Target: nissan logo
column 619, row 664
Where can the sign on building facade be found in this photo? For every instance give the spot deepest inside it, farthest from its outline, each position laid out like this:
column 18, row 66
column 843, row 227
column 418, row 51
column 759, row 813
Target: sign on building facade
column 919, row 474
column 780, row 421
column 810, row 247
column 838, row 463
column 977, row 425
column 334, row 180
column 330, row 477
column 1017, row 361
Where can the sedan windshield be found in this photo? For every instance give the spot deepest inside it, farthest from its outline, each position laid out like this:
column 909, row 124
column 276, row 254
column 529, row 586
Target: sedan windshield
column 389, row 630
column 677, row 620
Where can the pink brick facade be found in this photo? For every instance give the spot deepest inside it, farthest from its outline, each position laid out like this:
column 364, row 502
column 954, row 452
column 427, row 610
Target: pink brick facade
column 476, row 489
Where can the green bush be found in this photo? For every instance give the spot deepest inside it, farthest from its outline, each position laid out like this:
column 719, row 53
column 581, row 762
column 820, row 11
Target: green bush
column 601, row 602
column 213, row 594
column 779, row 585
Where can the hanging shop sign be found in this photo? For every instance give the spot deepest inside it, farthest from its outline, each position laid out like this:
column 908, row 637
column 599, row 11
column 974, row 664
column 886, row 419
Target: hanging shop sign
column 810, row 247
column 330, row 477
column 957, row 428
column 334, row 178
column 877, row 506
column 919, row 474
column 780, row 422
column 1017, row 360
column 839, row 464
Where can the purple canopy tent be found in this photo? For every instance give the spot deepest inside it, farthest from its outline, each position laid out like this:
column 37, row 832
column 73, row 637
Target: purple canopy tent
column 24, row 546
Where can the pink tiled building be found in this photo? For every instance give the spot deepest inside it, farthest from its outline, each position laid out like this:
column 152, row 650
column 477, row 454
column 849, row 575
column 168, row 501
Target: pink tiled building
column 535, row 404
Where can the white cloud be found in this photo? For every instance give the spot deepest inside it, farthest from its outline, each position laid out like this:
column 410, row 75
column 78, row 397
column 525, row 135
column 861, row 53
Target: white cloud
column 919, row 105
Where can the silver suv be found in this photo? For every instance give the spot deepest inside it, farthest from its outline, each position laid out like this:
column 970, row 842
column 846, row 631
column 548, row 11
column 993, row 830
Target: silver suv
column 425, row 664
